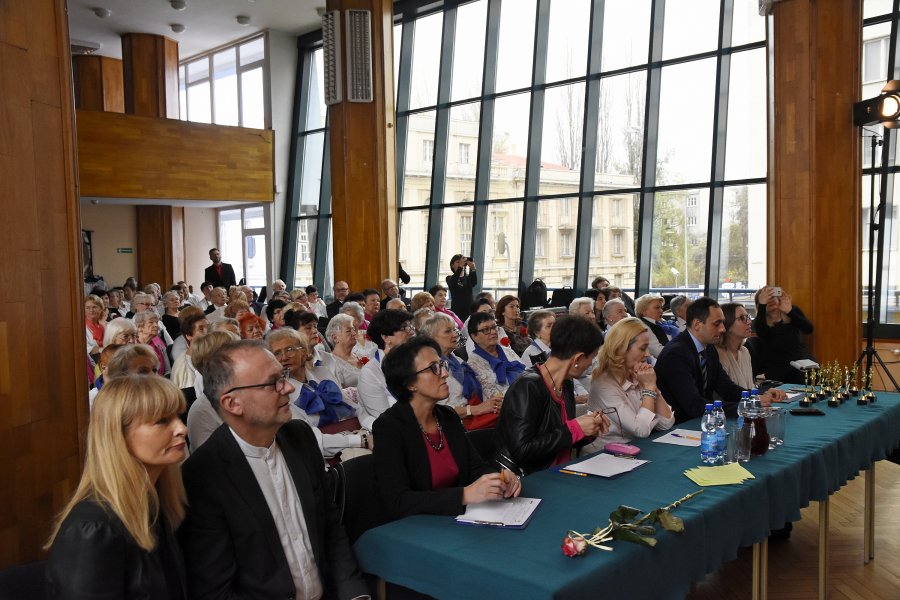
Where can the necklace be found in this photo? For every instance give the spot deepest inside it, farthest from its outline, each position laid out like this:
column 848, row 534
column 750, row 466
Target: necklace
column 558, row 390
column 440, row 444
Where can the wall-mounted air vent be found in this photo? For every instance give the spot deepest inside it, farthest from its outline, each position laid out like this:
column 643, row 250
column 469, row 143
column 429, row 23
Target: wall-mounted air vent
column 359, row 56
column 331, row 48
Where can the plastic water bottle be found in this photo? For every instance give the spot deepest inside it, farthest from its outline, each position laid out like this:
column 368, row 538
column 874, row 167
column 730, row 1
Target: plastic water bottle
column 721, row 434
column 709, row 447
column 743, row 408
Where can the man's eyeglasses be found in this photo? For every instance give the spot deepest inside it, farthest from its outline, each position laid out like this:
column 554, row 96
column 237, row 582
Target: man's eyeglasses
column 488, row 330
column 279, row 385
column 289, row 351
column 437, row 367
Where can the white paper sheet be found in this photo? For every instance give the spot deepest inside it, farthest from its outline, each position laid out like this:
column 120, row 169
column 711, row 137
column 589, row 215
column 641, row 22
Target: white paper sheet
column 680, row 437
column 606, row 465
column 512, row 512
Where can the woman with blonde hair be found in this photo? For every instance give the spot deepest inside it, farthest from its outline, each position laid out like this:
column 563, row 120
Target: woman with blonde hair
column 649, row 309
column 94, row 323
column 625, row 382
column 115, row 538
column 422, row 300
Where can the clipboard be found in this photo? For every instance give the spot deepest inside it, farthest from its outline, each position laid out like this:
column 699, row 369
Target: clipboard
column 511, row 513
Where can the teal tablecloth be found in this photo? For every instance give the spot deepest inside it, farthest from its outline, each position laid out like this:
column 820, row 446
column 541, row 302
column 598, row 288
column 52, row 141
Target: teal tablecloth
column 435, row 556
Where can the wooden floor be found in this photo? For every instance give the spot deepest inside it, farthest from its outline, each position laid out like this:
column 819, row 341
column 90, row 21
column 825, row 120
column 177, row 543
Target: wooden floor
column 793, row 564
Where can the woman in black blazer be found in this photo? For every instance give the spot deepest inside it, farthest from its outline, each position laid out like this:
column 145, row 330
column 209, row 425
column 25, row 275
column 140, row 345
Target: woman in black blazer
column 424, row 462
column 115, row 539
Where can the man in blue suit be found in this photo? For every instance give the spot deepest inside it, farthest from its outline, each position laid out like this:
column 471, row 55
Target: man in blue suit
column 688, row 370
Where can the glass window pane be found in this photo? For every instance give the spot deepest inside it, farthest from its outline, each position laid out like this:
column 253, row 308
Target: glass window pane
column 426, row 61
column 876, row 44
column 468, row 50
column 874, row 8
column 198, row 103
column 306, row 249
column 253, row 51
column 316, row 110
column 554, row 248
column 515, row 55
column 678, row 244
column 462, row 153
column 254, row 218
column 230, row 240
column 568, row 39
column 413, row 230
column 509, row 146
column 456, row 236
column 311, row 180
column 255, row 257
column 613, row 238
column 225, row 96
column 685, row 122
column 561, row 142
column 197, row 70
column 500, row 273
column 742, row 268
column 419, row 159
column 745, row 150
column 691, row 27
column 253, row 111
column 747, row 24
column 620, row 130
column 626, row 33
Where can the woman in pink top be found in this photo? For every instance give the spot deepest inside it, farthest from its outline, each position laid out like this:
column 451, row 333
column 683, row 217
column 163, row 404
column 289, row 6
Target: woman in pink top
column 439, row 293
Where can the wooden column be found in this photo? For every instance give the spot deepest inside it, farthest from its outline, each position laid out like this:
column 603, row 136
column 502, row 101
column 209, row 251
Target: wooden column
column 43, row 371
column 99, row 83
column 160, row 241
column 364, row 195
column 150, row 65
column 814, row 168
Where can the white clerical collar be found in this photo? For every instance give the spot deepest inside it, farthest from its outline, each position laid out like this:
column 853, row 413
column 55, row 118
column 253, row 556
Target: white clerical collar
column 251, row 451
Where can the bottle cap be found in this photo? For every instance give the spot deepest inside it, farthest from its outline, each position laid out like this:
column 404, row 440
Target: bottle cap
column 755, row 392
column 745, row 394
column 717, row 403
column 709, row 407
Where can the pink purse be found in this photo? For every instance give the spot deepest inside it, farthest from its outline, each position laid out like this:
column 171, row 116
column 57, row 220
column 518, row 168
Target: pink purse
column 622, row 449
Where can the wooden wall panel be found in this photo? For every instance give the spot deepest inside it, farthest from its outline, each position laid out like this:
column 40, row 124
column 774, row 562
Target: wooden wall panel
column 128, row 156
column 364, row 198
column 43, row 377
column 99, row 83
column 814, row 167
column 155, row 245
column 150, row 64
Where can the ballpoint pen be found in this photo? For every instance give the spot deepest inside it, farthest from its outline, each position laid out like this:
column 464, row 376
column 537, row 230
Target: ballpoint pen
column 687, row 437
column 567, row 472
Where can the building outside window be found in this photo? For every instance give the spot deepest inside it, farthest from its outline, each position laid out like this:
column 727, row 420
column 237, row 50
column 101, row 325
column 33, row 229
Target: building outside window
column 464, row 150
column 427, row 151
column 565, row 242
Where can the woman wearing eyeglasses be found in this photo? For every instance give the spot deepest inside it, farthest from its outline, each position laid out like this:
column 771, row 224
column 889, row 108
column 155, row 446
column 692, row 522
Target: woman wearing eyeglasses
column 341, row 334
column 424, row 462
column 733, row 354
column 496, row 365
column 624, row 386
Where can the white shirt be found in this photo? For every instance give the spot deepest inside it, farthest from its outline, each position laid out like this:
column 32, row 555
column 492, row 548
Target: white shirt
column 374, row 397
column 277, row 485
column 534, row 348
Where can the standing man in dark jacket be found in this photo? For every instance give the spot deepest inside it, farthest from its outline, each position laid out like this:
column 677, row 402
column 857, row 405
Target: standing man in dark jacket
column 261, row 523
column 461, row 284
column 218, row 273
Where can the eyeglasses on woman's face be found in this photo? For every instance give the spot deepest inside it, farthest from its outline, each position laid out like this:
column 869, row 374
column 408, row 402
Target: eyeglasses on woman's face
column 288, row 351
column 489, row 330
column 279, row 385
column 437, row 367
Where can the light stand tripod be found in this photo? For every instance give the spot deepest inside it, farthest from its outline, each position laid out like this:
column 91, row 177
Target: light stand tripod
column 876, row 225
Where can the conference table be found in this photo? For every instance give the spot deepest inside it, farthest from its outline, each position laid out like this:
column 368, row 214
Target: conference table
column 435, row 555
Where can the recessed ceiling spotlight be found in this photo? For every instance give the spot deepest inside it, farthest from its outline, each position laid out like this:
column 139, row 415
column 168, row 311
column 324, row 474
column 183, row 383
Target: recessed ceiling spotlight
column 178, row 4
column 242, row 19
column 101, row 12
column 177, row 27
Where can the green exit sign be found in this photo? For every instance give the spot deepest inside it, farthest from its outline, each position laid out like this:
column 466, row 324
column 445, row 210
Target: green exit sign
column 124, row 250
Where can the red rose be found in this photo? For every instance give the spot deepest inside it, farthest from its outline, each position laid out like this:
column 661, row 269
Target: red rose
column 574, row 545
column 505, row 342
column 523, row 331
column 363, row 361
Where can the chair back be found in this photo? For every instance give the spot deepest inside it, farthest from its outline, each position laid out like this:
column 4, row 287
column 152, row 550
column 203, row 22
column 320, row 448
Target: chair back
column 357, row 496
column 484, row 441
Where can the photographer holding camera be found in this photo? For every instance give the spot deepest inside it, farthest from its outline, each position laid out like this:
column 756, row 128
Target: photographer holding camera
column 780, row 327
column 461, row 284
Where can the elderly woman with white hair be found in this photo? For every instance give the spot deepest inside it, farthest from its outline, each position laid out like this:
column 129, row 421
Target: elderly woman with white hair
column 649, row 309
column 147, row 323
column 365, row 348
column 341, row 334
column 171, row 305
column 140, row 302
column 119, row 331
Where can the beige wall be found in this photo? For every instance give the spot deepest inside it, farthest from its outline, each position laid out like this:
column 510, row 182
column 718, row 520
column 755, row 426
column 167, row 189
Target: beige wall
column 199, row 236
column 114, row 227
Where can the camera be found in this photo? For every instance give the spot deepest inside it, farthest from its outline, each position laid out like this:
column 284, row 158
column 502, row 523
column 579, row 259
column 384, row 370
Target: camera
column 776, row 292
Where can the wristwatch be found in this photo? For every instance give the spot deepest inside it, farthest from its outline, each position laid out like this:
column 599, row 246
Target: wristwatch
column 468, row 410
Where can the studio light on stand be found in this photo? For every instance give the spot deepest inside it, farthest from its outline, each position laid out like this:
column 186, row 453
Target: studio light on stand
column 883, row 109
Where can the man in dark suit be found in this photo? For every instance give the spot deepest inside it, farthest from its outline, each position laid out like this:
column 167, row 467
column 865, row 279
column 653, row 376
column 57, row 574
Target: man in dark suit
column 391, row 291
column 341, row 289
column 688, row 370
column 261, row 523
column 218, row 273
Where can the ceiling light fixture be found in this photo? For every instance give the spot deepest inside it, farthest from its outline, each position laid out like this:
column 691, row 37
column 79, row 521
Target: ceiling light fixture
column 101, row 12
column 242, row 20
column 177, row 27
column 178, row 4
